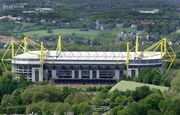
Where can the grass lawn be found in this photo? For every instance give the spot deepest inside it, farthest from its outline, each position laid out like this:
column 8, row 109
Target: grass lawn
column 63, row 32
column 130, row 85
column 66, row 32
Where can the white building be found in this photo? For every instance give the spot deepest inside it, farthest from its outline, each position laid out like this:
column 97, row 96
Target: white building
column 44, row 10
column 149, row 11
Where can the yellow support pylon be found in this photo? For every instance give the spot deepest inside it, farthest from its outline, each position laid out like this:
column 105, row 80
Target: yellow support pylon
column 171, row 56
column 137, row 43
column 167, row 53
column 25, row 44
column 165, row 45
column 127, row 58
column 59, row 45
column 42, row 53
column 161, row 48
column 12, row 47
column 128, row 53
column 23, row 48
column 41, row 62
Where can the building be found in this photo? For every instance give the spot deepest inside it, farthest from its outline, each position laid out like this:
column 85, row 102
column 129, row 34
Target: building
column 44, row 10
column 9, row 17
column 14, row 6
column 20, row 5
column 86, row 67
column 28, row 12
column 5, row 39
column 154, row 11
column 8, row 7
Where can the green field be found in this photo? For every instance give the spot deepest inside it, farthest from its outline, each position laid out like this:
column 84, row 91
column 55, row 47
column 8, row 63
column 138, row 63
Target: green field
column 63, row 32
column 130, row 85
column 77, row 32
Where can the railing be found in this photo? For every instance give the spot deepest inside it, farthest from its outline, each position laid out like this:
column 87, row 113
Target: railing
column 145, row 62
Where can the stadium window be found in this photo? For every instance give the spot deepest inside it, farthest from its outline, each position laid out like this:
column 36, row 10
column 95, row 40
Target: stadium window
column 94, row 74
column 133, row 73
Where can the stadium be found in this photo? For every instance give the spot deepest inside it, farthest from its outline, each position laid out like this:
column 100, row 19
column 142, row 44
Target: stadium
column 85, row 67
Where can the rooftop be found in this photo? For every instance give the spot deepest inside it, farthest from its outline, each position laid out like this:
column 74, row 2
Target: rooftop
column 89, row 55
column 131, row 85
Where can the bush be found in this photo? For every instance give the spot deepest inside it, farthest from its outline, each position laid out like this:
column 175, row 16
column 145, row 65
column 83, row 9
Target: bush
column 167, row 81
column 136, row 79
column 13, row 110
column 49, row 31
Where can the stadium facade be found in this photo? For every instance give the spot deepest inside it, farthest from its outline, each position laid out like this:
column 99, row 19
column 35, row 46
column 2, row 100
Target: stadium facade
column 85, row 67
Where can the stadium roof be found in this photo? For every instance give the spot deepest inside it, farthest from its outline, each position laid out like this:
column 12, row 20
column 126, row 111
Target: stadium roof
column 83, row 55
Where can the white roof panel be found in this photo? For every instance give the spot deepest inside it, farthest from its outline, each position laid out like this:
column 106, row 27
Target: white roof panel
column 82, row 55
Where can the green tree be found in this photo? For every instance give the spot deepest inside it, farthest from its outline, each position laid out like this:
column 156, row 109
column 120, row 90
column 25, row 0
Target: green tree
column 167, row 81
column 150, row 76
column 156, row 80
column 171, row 104
column 123, row 100
column 175, row 84
column 47, row 108
column 153, row 112
column 23, row 83
column 35, row 108
column 65, row 92
column 132, row 109
column 140, row 93
column 8, row 100
column 7, row 84
column 152, row 101
column 48, row 93
column 11, row 100
column 77, row 98
column 82, row 108
column 1, row 69
column 116, row 109
column 97, row 101
column 62, row 108
column 143, row 106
